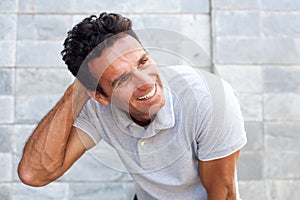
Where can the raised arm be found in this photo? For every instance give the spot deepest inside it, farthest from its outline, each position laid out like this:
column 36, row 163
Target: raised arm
column 55, row 144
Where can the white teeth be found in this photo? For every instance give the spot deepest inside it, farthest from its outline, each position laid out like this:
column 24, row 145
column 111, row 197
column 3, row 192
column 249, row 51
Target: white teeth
column 149, row 95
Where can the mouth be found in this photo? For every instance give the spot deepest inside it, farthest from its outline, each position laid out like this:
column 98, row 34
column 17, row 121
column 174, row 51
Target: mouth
column 149, row 95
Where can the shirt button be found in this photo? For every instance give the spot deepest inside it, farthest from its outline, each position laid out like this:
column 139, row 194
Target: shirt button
column 142, row 143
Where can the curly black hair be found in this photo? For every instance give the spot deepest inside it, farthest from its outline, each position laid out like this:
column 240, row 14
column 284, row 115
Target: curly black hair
column 83, row 44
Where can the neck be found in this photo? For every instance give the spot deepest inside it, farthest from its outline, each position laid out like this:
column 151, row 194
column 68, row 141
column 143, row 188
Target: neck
column 141, row 122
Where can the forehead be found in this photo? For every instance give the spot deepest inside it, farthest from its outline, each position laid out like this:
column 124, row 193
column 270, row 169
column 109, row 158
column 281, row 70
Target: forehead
column 124, row 48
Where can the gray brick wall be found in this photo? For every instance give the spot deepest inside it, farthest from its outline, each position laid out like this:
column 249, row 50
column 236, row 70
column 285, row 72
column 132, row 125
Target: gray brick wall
column 256, row 49
column 255, row 45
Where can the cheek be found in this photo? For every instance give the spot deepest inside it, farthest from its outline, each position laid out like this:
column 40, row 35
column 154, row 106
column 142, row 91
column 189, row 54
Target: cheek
column 121, row 99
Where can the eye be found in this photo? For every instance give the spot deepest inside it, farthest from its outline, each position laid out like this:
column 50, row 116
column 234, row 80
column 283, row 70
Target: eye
column 144, row 61
column 123, row 80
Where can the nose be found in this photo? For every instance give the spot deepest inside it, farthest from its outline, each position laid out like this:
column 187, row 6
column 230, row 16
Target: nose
column 142, row 80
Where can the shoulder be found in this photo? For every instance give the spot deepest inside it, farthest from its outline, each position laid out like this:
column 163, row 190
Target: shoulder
column 93, row 105
column 94, row 110
column 201, row 91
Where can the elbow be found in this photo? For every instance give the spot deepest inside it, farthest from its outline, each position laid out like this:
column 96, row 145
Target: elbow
column 27, row 177
column 231, row 194
column 230, row 191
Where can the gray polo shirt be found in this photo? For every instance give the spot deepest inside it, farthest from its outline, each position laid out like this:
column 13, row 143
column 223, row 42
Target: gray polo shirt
column 201, row 120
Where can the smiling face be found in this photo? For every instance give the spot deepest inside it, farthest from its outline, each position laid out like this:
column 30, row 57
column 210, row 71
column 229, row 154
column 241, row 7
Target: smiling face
column 129, row 77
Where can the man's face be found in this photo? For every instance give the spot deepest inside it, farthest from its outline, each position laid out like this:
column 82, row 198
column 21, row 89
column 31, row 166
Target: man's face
column 129, row 77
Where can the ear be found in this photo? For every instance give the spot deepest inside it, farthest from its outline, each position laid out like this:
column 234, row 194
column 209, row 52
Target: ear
column 99, row 97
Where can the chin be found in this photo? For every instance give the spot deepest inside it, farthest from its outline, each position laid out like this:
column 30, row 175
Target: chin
column 148, row 111
column 156, row 107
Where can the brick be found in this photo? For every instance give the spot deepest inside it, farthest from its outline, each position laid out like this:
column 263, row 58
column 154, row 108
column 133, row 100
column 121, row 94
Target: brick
column 193, row 54
column 230, row 23
column 27, row 6
column 76, row 18
column 49, row 192
column 31, row 109
column 257, row 51
column 238, row 51
column 252, row 190
column 15, row 163
column 195, row 6
column 164, row 53
column 6, row 81
column 283, row 189
column 6, row 133
column 133, row 6
column 281, row 106
column 44, row 6
column 251, row 106
column 42, row 81
column 282, row 136
column 250, row 166
column 205, row 45
column 148, row 6
column 282, row 143
column 19, row 139
column 96, row 8
column 7, row 52
column 282, row 164
column 195, row 27
column 6, row 109
column 8, row 5
column 92, row 191
column 39, row 54
column 5, row 191
column 102, row 166
column 150, row 37
column 5, row 167
column 235, row 4
column 43, row 27
column 8, row 26
column 168, row 22
column 20, row 136
column 281, row 79
column 276, row 24
column 163, row 45
column 280, row 51
column 280, row 5
column 246, row 79
column 255, row 136
column 172, row 28
column 283, row 129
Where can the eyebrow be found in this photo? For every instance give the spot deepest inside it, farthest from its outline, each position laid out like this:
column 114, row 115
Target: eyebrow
column 125, row 73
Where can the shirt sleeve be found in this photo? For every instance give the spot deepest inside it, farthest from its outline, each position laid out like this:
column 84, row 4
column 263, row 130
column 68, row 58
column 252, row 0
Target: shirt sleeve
column 221, row 129
column 87, row 121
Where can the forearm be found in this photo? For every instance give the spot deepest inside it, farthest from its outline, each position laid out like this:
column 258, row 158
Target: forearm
column 44, row 152
column 222, row 192
column 218, row 177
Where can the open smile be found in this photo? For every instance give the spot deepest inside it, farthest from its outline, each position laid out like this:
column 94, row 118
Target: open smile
column 149, row 95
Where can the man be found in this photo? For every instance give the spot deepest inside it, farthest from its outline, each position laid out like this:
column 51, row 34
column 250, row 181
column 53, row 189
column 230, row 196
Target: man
column 177, row 131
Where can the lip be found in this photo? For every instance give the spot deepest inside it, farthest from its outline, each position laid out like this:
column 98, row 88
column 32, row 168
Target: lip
column 153, row 90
